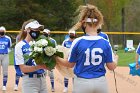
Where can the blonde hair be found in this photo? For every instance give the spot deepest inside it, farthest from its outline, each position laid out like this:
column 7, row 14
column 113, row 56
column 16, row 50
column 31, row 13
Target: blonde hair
column 23, row 33
column 88, row 11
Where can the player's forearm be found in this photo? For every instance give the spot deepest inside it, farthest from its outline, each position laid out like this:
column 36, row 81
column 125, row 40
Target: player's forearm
column 136, row 59
column 28, row 69
column 77, row 25
column 113, row 65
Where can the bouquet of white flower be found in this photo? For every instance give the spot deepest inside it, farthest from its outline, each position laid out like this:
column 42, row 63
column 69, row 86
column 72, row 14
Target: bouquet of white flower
column 43, row 51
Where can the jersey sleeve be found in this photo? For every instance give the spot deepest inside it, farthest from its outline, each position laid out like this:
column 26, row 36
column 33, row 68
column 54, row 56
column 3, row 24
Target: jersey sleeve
column 107, row 38
column 19, row 59
column 109, row 54
column 73, row 51
column 138, row 49
column 10, row 42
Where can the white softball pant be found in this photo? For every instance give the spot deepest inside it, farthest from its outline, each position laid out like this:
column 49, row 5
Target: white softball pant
column 4, row 62
column 34, row 85
column 50, row 73
column 96, row 85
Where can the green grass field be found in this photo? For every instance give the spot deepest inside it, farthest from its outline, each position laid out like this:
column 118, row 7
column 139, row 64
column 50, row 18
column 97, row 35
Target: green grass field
column 11, row 57
column 124, row 58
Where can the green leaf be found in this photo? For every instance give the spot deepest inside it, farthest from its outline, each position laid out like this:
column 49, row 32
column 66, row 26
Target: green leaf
column 50, row 43
column 38, row 60
column 41, row 37
column 34, row 54
column 46, row 59
column 26, row 57
column 60, row 54
column 51, row 63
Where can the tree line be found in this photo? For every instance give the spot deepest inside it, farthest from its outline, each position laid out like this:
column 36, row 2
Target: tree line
column 59, row 14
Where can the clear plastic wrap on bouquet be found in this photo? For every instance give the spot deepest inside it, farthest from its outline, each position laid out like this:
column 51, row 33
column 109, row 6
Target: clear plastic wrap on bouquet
column 65, row 71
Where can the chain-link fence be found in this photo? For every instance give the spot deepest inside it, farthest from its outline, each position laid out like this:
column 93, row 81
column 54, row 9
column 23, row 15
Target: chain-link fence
column 116, row 38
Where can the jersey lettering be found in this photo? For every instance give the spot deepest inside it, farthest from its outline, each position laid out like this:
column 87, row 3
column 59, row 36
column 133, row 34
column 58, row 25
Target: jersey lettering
column 2, row 46
column 93, row 56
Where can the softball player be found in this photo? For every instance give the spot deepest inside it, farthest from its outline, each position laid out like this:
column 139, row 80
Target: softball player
column 102, row 34
column 137, row 56
column 17, row 77
column 33, row 76
column 89, row 54
column 46, row 33
column 67, row 43
column 5, row 44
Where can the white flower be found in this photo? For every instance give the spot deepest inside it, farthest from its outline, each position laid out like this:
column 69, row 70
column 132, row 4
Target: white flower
column 37, row 49
column 41, row 43
column 49, row 51
column 44, row 42
column 31, row 43
column 60, row 48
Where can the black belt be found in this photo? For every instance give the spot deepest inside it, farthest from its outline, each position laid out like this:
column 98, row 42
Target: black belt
column 36, row 75
column 3, row 53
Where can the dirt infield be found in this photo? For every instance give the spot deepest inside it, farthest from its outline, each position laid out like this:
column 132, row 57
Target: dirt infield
column 125, row 82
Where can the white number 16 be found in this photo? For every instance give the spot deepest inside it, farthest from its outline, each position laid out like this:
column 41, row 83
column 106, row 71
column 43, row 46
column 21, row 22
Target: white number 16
column 93, row 56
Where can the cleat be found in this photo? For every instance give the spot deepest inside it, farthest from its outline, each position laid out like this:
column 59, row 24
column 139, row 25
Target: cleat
column 4, row 88
column 65, row 90
column 16, row 88
column 53, row 90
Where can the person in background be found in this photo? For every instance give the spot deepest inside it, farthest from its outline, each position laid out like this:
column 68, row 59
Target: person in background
column 17, row 77
column 66, row 37
column 137, row 57
column 102, row 34
column 89, row 54
column 67, row 43
column 46, row 33
column 5, row 44
column 33, row 75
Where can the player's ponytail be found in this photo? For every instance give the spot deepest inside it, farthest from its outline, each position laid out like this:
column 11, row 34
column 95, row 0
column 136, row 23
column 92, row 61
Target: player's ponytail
column 88, row 15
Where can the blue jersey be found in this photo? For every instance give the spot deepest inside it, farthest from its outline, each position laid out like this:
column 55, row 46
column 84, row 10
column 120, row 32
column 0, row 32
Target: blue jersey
column 53, row 41
column 138, row 49
column 90, row 53
column 67, row 37
column 22, row 48
column 5, row 44
column 67, row 43
column 102, row 34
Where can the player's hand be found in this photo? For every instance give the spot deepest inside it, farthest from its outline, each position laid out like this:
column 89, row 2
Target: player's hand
column 137, row 66
column 41, row 66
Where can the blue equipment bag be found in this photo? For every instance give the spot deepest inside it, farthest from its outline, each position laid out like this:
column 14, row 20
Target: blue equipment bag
column 133, row 70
